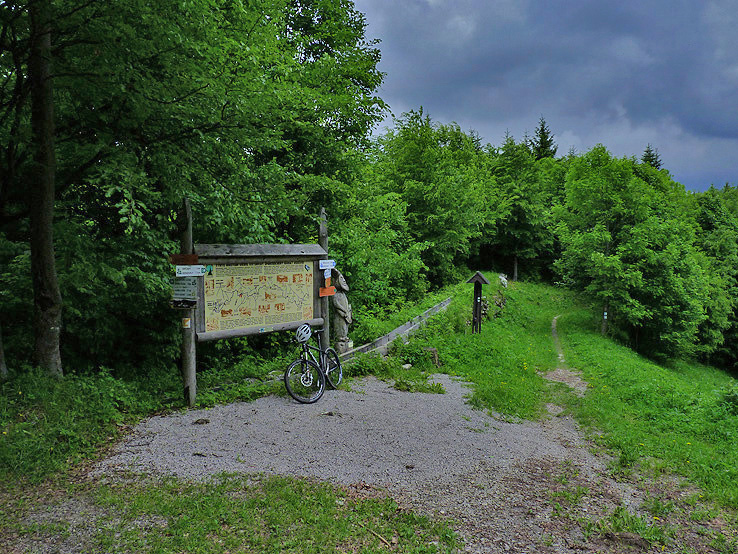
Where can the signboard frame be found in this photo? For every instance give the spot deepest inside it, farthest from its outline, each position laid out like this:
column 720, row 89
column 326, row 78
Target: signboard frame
column 242, row 254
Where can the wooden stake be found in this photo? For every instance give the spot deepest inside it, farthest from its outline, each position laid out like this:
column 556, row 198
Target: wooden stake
column 325, row 338
column 189, row 349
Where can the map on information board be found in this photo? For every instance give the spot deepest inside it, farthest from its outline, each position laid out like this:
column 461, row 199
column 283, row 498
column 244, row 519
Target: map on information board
column 251, row 295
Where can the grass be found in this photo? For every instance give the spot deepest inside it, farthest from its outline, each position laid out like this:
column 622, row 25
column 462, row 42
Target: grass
column 234, row 514
column 679, row 418
column 369, row 325
column 622, row 520
column 47, row 425
column 275, row 515
column 504, row 360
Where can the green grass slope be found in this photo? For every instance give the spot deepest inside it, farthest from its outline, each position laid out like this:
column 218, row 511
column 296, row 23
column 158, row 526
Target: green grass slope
column 682, row 417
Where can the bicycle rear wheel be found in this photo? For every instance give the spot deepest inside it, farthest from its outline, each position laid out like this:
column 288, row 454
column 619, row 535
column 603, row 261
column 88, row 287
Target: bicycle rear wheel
column 304, row 381
column 333, row 369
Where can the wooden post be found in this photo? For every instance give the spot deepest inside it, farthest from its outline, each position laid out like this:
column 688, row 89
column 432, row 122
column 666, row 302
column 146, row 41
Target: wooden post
column 604, row 319
column 477, row 315
column 189, row 348
column 325, row 301
column 478, row 279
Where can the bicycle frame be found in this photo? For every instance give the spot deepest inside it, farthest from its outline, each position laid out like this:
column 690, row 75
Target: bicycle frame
column 307, row 351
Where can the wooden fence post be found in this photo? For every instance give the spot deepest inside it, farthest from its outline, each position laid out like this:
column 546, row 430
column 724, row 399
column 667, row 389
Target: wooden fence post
column 189, row 347
column 325, row 301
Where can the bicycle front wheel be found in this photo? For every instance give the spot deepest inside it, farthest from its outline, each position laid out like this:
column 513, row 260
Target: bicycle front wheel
column 333, row 369
column 304, row 381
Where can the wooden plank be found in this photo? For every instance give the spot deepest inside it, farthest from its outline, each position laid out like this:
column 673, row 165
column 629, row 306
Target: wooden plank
column 246, row 260
column 260, row 250
column 249, row 331
column 183, row 259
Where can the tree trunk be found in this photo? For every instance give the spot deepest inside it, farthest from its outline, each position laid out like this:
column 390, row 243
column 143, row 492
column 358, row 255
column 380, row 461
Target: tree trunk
column 46, row 295
column 3, row 367
column 515, row 268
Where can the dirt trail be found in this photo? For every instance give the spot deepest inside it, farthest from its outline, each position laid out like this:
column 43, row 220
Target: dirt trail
column 563, row 373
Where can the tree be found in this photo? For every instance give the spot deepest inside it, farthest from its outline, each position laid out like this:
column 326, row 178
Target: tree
column 626, row 242
column 542, row 143
column 651, row 157
column 521, row 210
column 436, row 169
column 239, row 106
column 47, row 297
column 718, row 238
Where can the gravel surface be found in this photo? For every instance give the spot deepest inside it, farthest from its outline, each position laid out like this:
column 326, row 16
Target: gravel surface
column 373, row 434
column 432, row 452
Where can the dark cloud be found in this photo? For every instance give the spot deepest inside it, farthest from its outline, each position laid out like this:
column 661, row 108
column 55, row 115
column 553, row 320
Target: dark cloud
column 623, row 73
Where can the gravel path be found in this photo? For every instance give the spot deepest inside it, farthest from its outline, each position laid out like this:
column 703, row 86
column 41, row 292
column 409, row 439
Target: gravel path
column 373, row 434
column 432, row 452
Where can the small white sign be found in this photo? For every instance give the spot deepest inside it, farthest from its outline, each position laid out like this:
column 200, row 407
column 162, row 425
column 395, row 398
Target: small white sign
column 184, row 288
column 327, row 264
column 326, row 273
column 190, row 270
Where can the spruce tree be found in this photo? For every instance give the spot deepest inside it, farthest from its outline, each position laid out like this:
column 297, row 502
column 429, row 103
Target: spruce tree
column 542, row 143
column 651, row 157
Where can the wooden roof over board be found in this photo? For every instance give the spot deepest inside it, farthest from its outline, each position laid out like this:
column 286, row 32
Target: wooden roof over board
column 260, row 251
column 478, row 278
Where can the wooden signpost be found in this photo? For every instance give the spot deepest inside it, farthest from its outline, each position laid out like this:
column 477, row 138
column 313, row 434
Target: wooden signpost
column 237, row 290
column 189, row 348
column 478, row 279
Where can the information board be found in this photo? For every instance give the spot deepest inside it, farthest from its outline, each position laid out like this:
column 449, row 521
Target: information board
column 252, row 295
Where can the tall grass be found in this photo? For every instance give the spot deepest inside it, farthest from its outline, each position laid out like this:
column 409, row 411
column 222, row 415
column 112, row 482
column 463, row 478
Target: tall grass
column 47, row 424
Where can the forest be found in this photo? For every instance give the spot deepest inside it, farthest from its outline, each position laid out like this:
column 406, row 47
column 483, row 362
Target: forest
column 261, row 112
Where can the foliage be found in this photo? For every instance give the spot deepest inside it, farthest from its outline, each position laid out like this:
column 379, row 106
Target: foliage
column 625, row 245
column 388, row 273
column 717, row 237
column 248, row 109
column 521, row 230
column 437, row 171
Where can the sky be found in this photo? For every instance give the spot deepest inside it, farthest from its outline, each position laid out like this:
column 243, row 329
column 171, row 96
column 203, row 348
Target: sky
column 622, row 73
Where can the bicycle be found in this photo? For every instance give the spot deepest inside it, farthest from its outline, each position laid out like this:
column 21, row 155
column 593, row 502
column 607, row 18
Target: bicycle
column 306, row 377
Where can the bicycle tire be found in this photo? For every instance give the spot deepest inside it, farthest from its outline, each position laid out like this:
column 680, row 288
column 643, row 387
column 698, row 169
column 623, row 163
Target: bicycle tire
column 333, row 369
column 304, row 381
